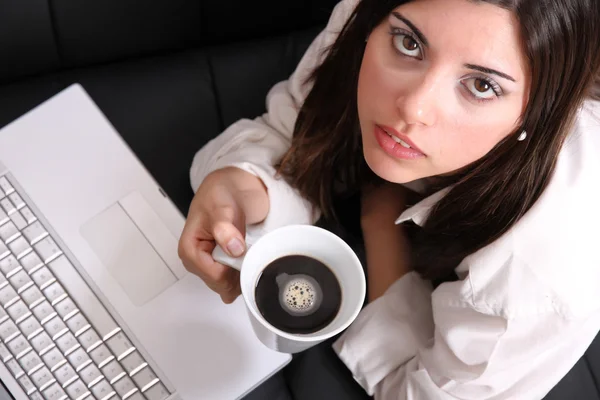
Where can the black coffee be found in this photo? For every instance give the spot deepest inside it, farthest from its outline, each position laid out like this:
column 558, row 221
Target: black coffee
column 298, row 294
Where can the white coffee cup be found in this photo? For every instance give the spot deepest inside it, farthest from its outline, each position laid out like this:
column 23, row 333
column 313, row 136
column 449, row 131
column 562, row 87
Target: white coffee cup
column 306, row 240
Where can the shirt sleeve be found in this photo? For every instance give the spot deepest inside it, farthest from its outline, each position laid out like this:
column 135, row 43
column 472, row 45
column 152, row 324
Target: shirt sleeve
column 257, row 145
column 411, row 344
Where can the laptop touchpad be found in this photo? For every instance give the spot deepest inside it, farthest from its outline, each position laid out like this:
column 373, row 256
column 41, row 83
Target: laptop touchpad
column 127, row 254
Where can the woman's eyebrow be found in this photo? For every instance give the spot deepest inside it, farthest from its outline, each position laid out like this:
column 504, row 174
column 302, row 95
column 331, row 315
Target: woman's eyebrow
column 412, row 26
column 490, row 71
column 423, row 40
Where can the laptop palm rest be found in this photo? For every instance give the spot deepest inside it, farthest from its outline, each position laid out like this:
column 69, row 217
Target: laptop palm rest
column 123, row 247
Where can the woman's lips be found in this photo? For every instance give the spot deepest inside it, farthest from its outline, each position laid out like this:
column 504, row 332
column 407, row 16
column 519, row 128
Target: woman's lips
column 395, row 144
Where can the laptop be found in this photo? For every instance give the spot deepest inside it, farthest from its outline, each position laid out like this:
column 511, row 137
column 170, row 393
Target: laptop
column 94, row 301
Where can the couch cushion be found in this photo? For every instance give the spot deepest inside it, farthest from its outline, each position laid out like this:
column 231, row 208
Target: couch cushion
column 27, row 43
column 41, row 36
column 168, row 107
column 90, row 31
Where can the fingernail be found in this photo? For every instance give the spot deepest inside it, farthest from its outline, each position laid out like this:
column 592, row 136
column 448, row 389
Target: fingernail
column 235, row 247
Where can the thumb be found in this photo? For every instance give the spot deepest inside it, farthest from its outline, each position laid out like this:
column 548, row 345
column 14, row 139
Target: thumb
column 229, row 230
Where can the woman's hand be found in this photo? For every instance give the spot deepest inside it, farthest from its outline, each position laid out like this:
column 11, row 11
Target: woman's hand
column 225, row 202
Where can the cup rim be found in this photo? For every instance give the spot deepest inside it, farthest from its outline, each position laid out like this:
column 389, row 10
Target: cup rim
column 311, row 337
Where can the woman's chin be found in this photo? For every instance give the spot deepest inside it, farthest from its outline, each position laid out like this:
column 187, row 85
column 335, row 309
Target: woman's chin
column 388, row 169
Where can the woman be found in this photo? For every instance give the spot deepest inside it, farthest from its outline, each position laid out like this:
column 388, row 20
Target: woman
column 485, row 109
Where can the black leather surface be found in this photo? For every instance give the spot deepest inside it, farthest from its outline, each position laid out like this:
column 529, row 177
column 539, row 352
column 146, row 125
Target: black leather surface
column 170, row 75
column 91, row 31
column 167, row 107
column 27, row 43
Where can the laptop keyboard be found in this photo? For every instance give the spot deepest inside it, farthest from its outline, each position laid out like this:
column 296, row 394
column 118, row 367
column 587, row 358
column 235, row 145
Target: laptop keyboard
column 56, row 337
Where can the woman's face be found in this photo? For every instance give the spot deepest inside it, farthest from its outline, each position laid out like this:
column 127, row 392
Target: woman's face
column 445, row 77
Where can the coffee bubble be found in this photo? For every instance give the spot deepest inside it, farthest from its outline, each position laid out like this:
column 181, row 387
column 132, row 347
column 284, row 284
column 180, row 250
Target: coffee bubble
column 299, row 294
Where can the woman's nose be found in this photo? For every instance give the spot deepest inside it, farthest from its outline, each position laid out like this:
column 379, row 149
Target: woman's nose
column 418, row 104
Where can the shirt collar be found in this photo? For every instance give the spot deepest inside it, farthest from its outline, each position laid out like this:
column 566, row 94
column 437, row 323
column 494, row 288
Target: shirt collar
column 420, row 211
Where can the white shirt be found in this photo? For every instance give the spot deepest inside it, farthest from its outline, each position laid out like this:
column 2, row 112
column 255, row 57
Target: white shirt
column 525, row 308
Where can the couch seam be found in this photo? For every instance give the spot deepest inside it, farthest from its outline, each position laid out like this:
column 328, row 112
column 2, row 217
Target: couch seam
column 213, row 86
column 55, row 33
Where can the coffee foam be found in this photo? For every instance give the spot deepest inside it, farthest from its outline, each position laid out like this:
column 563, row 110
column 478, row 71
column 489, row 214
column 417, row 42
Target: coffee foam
column 300, row 294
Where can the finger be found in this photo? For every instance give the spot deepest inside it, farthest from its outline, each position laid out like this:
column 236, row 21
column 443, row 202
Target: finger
column 228, row 229
column 218, row 277
column 230, row 295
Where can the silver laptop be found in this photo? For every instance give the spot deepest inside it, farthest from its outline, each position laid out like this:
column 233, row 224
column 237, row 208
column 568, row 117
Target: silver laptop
column 94, row 301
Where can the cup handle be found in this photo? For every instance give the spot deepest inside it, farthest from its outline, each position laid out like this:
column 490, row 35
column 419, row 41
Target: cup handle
column 220, row 256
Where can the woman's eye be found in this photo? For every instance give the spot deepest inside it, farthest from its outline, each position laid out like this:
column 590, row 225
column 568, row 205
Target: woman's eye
column 407, row 45
column 482, row 89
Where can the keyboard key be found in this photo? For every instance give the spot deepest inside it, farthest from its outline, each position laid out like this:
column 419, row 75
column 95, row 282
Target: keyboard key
column 102, row 390
column 4, row 353
column 133, row 362
column 42, row 377
column 6, row 186
column 77, row 323
column 157, row 392
column 31, row 262
column 53, row 359
column 19, row 247
column 36, row 396
column 7, row 206
column 136, row 396
column 34, row 232
column 42, row 277
column 8, row 295
column 26, row 384
column 124, row 386
column 30, row 327
column 54, row 293
column 3, row 315
column 67, row 343
column 30, row 361
column 65, row 308
column 54, row 392
column 20, row 280
column 32, row 295
column 83, row 296
column 90, row 374
column 101, row 355
column 18, row 346
column 14, row 367
column 3, row 249
column 89, row 339
column 119, row 344
column 28, row 215
column 55, row 327
column 43, row 311
column 47, row 249
column 145, row 377
column 77, row 390
column 8, row 329
column 79, row 358
column 8, row 265
column 18, row 311
column 41, row 342
column 112, row 370
column 65, row 374
column 16, row 200
column 18, row 220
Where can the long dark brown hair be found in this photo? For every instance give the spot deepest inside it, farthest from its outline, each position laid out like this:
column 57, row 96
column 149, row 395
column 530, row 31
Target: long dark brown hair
column 561, row 40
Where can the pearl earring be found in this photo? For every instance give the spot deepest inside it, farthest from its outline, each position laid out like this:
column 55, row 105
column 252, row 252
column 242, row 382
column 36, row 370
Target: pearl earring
column 522, row 136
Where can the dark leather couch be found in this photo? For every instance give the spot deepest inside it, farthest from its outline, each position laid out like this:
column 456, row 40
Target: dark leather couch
column 170, row 75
